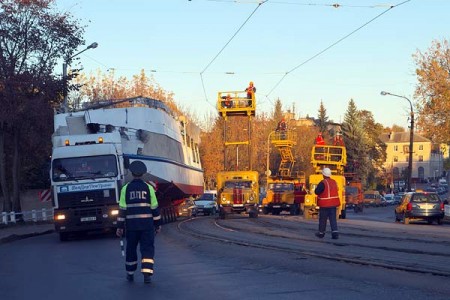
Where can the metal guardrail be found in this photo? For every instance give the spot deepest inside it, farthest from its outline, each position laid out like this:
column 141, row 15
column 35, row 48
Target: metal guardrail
column 34, row 215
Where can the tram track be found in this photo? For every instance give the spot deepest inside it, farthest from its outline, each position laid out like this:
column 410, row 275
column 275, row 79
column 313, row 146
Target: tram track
column 282, row 238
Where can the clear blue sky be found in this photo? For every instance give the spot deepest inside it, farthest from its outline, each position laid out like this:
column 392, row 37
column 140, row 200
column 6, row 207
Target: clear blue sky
column 179, row 38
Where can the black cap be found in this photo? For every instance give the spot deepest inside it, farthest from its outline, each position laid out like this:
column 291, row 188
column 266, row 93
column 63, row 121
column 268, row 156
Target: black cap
column 138, row 168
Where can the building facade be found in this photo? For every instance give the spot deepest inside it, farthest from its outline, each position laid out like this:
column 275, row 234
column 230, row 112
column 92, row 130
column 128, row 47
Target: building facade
column 427, row 160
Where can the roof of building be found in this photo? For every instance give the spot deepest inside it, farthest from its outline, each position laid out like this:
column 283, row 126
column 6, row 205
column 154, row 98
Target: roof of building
column 401, row 137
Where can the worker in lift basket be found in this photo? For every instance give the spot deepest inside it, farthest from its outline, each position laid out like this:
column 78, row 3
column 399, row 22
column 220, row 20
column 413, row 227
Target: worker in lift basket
column 327, row 192
column 139, row 215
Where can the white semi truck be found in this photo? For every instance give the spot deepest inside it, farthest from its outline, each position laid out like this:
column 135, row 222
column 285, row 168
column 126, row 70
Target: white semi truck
column 93, row 148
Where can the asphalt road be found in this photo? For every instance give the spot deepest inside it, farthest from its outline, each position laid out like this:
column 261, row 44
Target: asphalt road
column 204, row 258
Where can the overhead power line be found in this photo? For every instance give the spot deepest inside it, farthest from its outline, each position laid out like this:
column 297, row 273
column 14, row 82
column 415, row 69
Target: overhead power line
column 229, row 41
column 334, row 44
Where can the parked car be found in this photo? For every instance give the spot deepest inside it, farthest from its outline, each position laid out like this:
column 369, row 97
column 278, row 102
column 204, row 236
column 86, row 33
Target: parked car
column 398, row 199
column 372, row 198
column 206, row 204
column 187, row 209
column 390, row 199
column 420, row 206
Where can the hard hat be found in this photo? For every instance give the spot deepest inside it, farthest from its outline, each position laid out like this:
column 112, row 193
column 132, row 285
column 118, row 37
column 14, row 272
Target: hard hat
column 326, row 172
column 320, row 133
column 138, row 168
column 251, row 82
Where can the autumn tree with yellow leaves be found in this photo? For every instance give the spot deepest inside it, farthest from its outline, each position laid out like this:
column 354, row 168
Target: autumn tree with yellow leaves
column 433, row 91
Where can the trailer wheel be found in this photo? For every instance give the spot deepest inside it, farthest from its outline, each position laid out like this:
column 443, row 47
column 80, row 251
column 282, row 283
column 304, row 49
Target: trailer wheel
column 253, row 215
column 63, row 236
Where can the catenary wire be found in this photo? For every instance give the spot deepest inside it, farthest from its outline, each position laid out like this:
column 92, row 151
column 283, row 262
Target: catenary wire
column 334, row 44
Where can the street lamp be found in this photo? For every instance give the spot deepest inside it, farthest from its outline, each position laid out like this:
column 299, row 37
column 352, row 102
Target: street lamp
column 411, row 137
column 66, row 62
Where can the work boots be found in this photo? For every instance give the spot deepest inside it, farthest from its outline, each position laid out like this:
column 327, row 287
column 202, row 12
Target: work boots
column 335, row 235
column 320, row 235
column 130, row 277
column 147, row 278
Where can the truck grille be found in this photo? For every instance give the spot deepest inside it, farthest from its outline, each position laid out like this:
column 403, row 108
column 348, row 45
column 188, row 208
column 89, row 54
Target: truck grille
column 238, row 196
column 277, row 198
column 86, row 198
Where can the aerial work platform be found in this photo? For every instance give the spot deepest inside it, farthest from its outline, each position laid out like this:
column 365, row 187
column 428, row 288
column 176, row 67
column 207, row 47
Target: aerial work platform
column 236, row 103
column 333, row 157
column 284, row 140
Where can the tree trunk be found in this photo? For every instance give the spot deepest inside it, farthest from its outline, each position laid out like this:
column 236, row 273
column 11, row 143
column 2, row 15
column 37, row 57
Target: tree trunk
column 15, row 171
column 3, row 182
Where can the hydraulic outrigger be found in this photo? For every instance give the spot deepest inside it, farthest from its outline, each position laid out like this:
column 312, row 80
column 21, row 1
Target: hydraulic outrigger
column 238, row 191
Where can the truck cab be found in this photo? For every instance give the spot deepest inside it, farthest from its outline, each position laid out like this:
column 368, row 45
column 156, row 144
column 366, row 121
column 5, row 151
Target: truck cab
column 238, row 192
column 86, row 174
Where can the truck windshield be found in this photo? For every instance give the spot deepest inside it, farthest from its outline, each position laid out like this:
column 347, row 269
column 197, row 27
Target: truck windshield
column 351, row 190
column 238, row 184
column 281, row 186
column 75, row 168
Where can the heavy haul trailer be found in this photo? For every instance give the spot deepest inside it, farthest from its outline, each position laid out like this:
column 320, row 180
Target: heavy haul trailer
column 285, row 190
column 237, row 191
column 92, row 149
column 335, row 158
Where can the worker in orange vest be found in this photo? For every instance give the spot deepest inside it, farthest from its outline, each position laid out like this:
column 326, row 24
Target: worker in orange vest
column 327, row 192
column 320, row 140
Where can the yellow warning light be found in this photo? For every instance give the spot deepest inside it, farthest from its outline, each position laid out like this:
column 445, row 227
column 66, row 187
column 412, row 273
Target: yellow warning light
column 67, row 142
column 100, row 140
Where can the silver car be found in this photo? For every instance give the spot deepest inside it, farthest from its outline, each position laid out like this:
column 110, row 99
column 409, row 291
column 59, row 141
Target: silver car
column 420, row 206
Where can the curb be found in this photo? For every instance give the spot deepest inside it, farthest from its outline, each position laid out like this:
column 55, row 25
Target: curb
column 16, row 237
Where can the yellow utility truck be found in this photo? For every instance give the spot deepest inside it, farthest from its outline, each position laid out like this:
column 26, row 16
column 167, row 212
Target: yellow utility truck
column 238, row 192
column 284, row 190
column 284, row 194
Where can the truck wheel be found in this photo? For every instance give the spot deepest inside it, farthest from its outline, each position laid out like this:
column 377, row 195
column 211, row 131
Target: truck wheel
column 306, row 214
column 439, row 221
column 293, row 210
column 63, row 236
column 265, row 210
column 253, row 215
column 405, row 220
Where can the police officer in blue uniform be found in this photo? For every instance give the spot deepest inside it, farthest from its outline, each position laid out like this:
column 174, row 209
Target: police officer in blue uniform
column 139, row 216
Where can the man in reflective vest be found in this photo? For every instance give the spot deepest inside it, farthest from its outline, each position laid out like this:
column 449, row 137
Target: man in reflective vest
column 327, row 200
column 139, row 215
